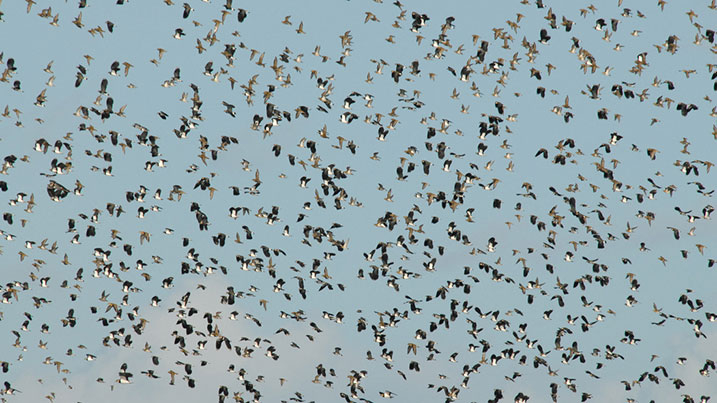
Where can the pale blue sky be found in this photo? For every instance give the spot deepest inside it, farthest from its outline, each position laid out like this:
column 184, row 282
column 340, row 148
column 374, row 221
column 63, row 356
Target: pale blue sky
column 140, row 28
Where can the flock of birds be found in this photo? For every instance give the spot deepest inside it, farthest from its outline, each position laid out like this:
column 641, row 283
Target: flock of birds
column 508, row 215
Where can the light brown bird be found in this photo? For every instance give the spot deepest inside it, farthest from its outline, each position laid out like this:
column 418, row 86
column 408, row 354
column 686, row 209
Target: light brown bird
column 370, row 17
column 692, row 15
column 700, row 248
column 78, row 21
